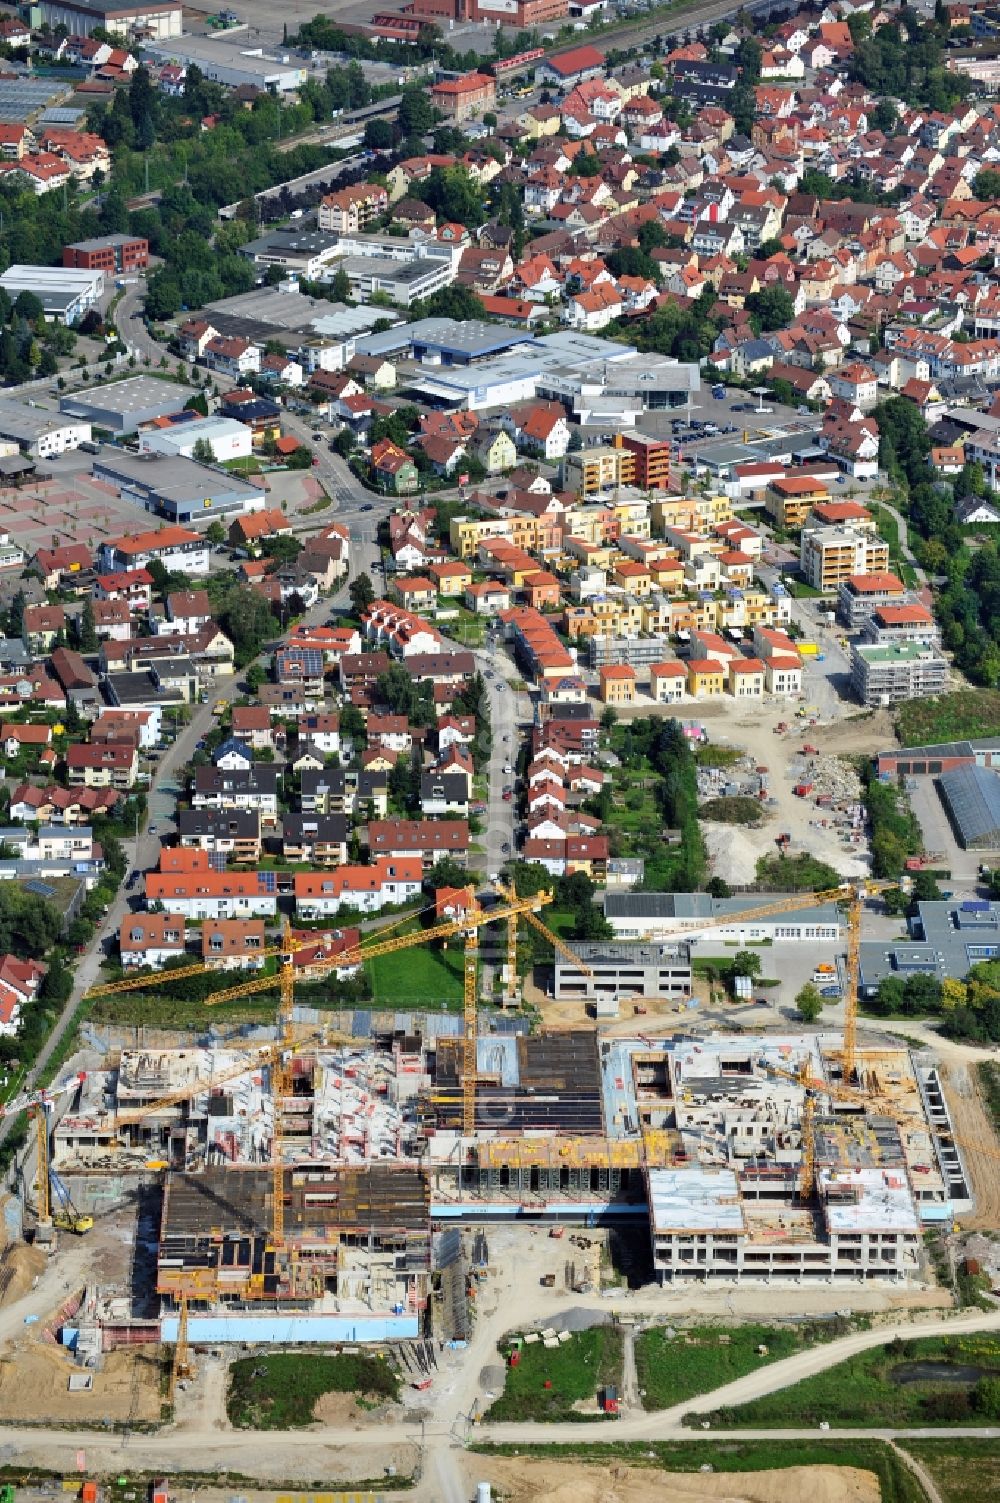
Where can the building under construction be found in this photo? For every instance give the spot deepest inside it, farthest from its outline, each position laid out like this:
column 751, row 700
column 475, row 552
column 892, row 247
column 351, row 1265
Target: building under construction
column 746, row 1156
column 355, row 1241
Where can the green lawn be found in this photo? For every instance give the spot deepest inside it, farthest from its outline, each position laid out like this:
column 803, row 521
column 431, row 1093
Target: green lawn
column 419, row 977
column 888, row 527
column 801, row 590
column 280, row 1392
column 796, row 874
column 896, row 1484
column 950, row 717
column 561, row 921
column 634, row 809
column 132, row 1009
column 869, row 1389
column 965, row 1471
column 672, row 1369
column 576, row 1370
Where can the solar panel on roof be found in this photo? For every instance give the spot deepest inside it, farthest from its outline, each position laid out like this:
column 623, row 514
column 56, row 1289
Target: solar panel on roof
column 39, row 888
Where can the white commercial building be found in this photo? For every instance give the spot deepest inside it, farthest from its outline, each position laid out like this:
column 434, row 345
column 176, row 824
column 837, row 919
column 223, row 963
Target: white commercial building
column 225, row 61
column 652, row 916
column 600, row 380
column 64, row 292
column 41, row 434
column 156, row 18
column 228, row 438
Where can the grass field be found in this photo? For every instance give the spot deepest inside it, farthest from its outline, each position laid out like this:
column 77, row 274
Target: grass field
column 869, row 1389
column 634, row 810
column 576, row 1370
column 717, row 756
column 672, row 1369
column 420, row 977
column 280, row 1392
column 988, row 1073
column 561, row 921
column 162, row 1011
column 800, row 589
column 896, row 1484
column 950, row 717
column 965, row 1471
column 732, row 811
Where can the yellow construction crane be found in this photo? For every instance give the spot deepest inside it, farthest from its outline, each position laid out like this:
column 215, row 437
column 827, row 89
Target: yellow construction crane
column 182, row 1367
column 851, row 893
column 134, row 1114
column 158, row 978
column 508, row 894
column 465, row 926
column 65, row 1216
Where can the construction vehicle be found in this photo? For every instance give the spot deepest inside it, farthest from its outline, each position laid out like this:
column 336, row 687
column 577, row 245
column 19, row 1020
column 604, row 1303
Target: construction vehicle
column 66, row 1217
column 182, row 1367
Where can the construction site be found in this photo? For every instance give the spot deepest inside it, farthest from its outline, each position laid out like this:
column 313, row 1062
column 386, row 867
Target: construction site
column 302, row 1190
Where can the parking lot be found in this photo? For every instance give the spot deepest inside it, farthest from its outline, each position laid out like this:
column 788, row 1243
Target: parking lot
column 938, row 835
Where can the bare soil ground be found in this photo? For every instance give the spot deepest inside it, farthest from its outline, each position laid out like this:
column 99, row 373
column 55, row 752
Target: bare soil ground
column 342, row 1410
column 19, row 1267
column 734, row 850
column 34, row 1385
column 978, row 1144
column 577, row 1482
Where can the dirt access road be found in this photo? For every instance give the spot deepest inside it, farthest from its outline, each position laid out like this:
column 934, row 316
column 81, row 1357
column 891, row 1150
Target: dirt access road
column 735, row 850
column 438, row 1433
column 978, row 1145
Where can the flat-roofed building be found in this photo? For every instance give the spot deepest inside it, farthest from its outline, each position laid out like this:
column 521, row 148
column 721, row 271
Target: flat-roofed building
column 651, row 470
column 898, row 671
column 830, row 555
column 151, row 18
column 123, row 406
column 110, row 254
column 607, row 974
column 65, row 294
column 39, row 433
column 860, row 595
column 676, row 915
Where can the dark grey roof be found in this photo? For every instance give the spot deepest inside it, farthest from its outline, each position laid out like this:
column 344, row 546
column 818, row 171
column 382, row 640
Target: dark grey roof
column 947, row 939
column 241, row 824
column 972, row 795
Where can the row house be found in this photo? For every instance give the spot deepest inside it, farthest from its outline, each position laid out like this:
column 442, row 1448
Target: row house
column 366, row 889
column 214, row 895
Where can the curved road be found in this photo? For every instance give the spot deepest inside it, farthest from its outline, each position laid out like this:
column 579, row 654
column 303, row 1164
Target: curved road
column 284, row 1457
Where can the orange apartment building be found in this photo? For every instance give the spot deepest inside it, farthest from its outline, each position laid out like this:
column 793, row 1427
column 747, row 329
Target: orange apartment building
column 650, row 461
column 617, row 685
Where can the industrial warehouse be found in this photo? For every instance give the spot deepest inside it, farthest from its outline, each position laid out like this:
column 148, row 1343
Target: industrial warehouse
column 745, row 1157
